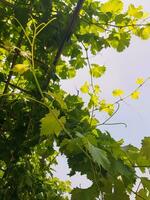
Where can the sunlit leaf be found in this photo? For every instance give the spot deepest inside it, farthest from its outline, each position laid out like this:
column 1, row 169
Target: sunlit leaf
column 135, row 11
column 135, row 95
column 117, row 92
column 85, row 88
column 71, row 73
column 145, row 33
column 34, row 130
column 108, row 108
column 114, row 6
column 139, row 81
column 94, row 101
column 52, row 123
column 59, row 98
column 20, row 68
column 97, row 89
column 97, row 71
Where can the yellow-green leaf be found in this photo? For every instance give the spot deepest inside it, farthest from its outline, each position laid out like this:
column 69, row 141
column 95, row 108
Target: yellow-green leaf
column 117, row 92
column 108, row 108
column 97, row 71
column 85, row 88
column 59, row 98
column 94, row 101
column 112, row 6
column 145, row 150
column 52, row 124
column 93, row 122
column 140, row 81
column 20, row 68
column 71, row 72
column 135, row 95
column 145, row 33
column 97, row 89
column 135, row 11
column 102, row 103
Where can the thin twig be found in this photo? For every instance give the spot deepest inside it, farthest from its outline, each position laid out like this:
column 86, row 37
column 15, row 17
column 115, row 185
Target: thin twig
column 122, row 99
column 112, row 25
column 117, row 123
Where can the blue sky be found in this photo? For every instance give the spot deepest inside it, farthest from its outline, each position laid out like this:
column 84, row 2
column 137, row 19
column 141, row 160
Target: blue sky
column 122, row 71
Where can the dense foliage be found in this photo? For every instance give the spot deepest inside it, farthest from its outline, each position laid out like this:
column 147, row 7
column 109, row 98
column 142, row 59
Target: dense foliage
column 41, row 43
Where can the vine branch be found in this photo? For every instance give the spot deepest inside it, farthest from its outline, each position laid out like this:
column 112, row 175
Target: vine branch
column 69, row 31
column 13, row 62
column 19, row 88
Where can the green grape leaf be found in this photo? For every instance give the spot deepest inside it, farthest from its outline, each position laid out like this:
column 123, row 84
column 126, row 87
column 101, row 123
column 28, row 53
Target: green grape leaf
column 59, row 98
column 99, row 156
column 97, row 71
column 119, row 41
column 117, row 191
column 71, row 146
column 146, row 183
column 71, row 73
column 85, row 194
column 145, row 150
column 52, row 124
column 2, row 77
column 126, row 173
column 137, row 158
column 142, row 194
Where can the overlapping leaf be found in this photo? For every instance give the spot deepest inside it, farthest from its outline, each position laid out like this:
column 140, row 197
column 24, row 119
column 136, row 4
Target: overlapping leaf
column 52, row 124
column 99, row 156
